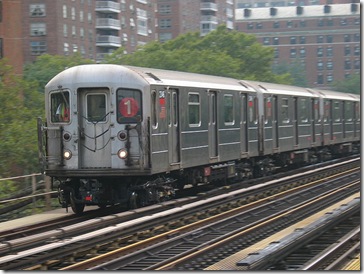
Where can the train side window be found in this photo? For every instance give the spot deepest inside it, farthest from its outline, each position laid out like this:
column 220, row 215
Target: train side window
column 60, row 107
column 304, row 110
column 326, row 111
column 154, row 109
column 316, row 114
column 96, row 107
column 129, row 106
column 336, row 111
column 357, row 111
column 253, row 109
column 267, row 109
column 284, row 111
column 228, row 109
column 194, row 116
column 349, row 113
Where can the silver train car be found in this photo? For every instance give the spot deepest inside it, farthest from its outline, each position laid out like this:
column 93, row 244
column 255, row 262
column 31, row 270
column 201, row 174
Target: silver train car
column 127, row 135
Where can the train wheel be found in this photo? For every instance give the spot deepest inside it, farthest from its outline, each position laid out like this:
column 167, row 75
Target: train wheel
column 76, row 207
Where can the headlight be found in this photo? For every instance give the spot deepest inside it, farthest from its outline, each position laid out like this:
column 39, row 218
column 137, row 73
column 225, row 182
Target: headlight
column 67, row 154
column 122, row 153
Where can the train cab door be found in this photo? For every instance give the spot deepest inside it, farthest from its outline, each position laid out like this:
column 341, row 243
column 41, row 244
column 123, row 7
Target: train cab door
column 268, row 124
column 212, row 125
column 94, row 127
column 173, row 126
column 275, row 130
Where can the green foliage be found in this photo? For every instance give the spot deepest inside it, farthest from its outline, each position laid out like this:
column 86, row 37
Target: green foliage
column 47, row 66
column 21, row 104
column 350, row 85
column 222, row 52
column 296, row 71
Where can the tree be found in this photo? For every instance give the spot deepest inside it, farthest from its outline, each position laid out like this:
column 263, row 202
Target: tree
column 21, row 104
column 222, row 52
column 296, row 69
column 349, row 85
column 47, row 66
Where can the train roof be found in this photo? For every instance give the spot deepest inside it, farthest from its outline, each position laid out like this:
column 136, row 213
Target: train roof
column 329, row 94
column 280, row 89
column 180, row 78
column 104, row 74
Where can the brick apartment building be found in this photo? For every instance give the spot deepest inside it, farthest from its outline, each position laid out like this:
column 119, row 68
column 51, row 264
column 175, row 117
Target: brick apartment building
column 325, row 39
column 96, row 28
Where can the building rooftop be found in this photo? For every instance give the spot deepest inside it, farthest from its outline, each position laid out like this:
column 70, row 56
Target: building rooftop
column 294, row 12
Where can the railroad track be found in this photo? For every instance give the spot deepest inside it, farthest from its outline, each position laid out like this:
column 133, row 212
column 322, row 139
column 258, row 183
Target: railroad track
column 83, row 247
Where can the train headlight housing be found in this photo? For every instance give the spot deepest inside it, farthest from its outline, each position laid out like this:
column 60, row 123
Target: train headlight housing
column 67, row 154
column 122, row 153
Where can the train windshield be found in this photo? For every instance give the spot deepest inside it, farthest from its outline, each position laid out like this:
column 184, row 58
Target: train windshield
column 129, row 106
column 60, row 107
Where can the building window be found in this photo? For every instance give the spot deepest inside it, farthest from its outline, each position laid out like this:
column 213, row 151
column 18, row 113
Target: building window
column 293, row 53
column 356, row 37
column 320, row 23
column 330, row 22
column 276, row 53
column 250, row 26
column 66, row 49
column 357, row 64
column 357, row 51
column 266, row 40
column 289, row 24
column 37, row 29
column 302, row 52
column 320, row 65
column 259, row 25
column 37, row 10
column 329, row 39
column 165, row 36
column 320, row 52
column 276, row 25
column 293, row 39
column 347, row 64
column 81, row 15
column 302, row 23
column 347, row 50
column 38, row 47
column 64, row 11
column 165, row 23
column 347, row 38
column 302, row 39
column 165, row 9
column 329, row 52
column 73, row 13
column 1, row 48
column 329, row 65
column 320, row 79
column 276, row 41
column 320, row 39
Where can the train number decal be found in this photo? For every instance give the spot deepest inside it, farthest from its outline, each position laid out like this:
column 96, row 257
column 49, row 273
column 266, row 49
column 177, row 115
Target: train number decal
column 128, row 107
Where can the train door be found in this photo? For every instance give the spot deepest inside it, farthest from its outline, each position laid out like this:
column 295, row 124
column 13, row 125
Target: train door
column 213, row 144
column 275, row 131
column 267, row 124
column 295, row 121
column 94, row 128
column 173, row 126
column 244, row 125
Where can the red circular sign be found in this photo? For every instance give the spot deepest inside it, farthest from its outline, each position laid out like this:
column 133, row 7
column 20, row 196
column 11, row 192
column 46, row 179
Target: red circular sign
column 128, row 107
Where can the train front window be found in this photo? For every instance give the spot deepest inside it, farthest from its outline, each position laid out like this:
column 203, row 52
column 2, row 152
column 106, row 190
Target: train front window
column 60, row 107
column 129, row 106
column 96, row 107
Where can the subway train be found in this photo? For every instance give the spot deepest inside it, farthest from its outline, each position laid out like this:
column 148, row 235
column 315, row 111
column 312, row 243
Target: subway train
column 128, row 135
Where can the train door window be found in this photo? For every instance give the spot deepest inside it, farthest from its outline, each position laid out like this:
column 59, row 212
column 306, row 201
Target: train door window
column 336, row 111
column 284, row 111
column 357, row 111
column 154, row 109
column 253, row 109
column 304, row 110
column 60, row 107
column 96, row 107
column 129, row 106
column 194, row 115
column 267, row 109
column 228, row 109
column 349, row 111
